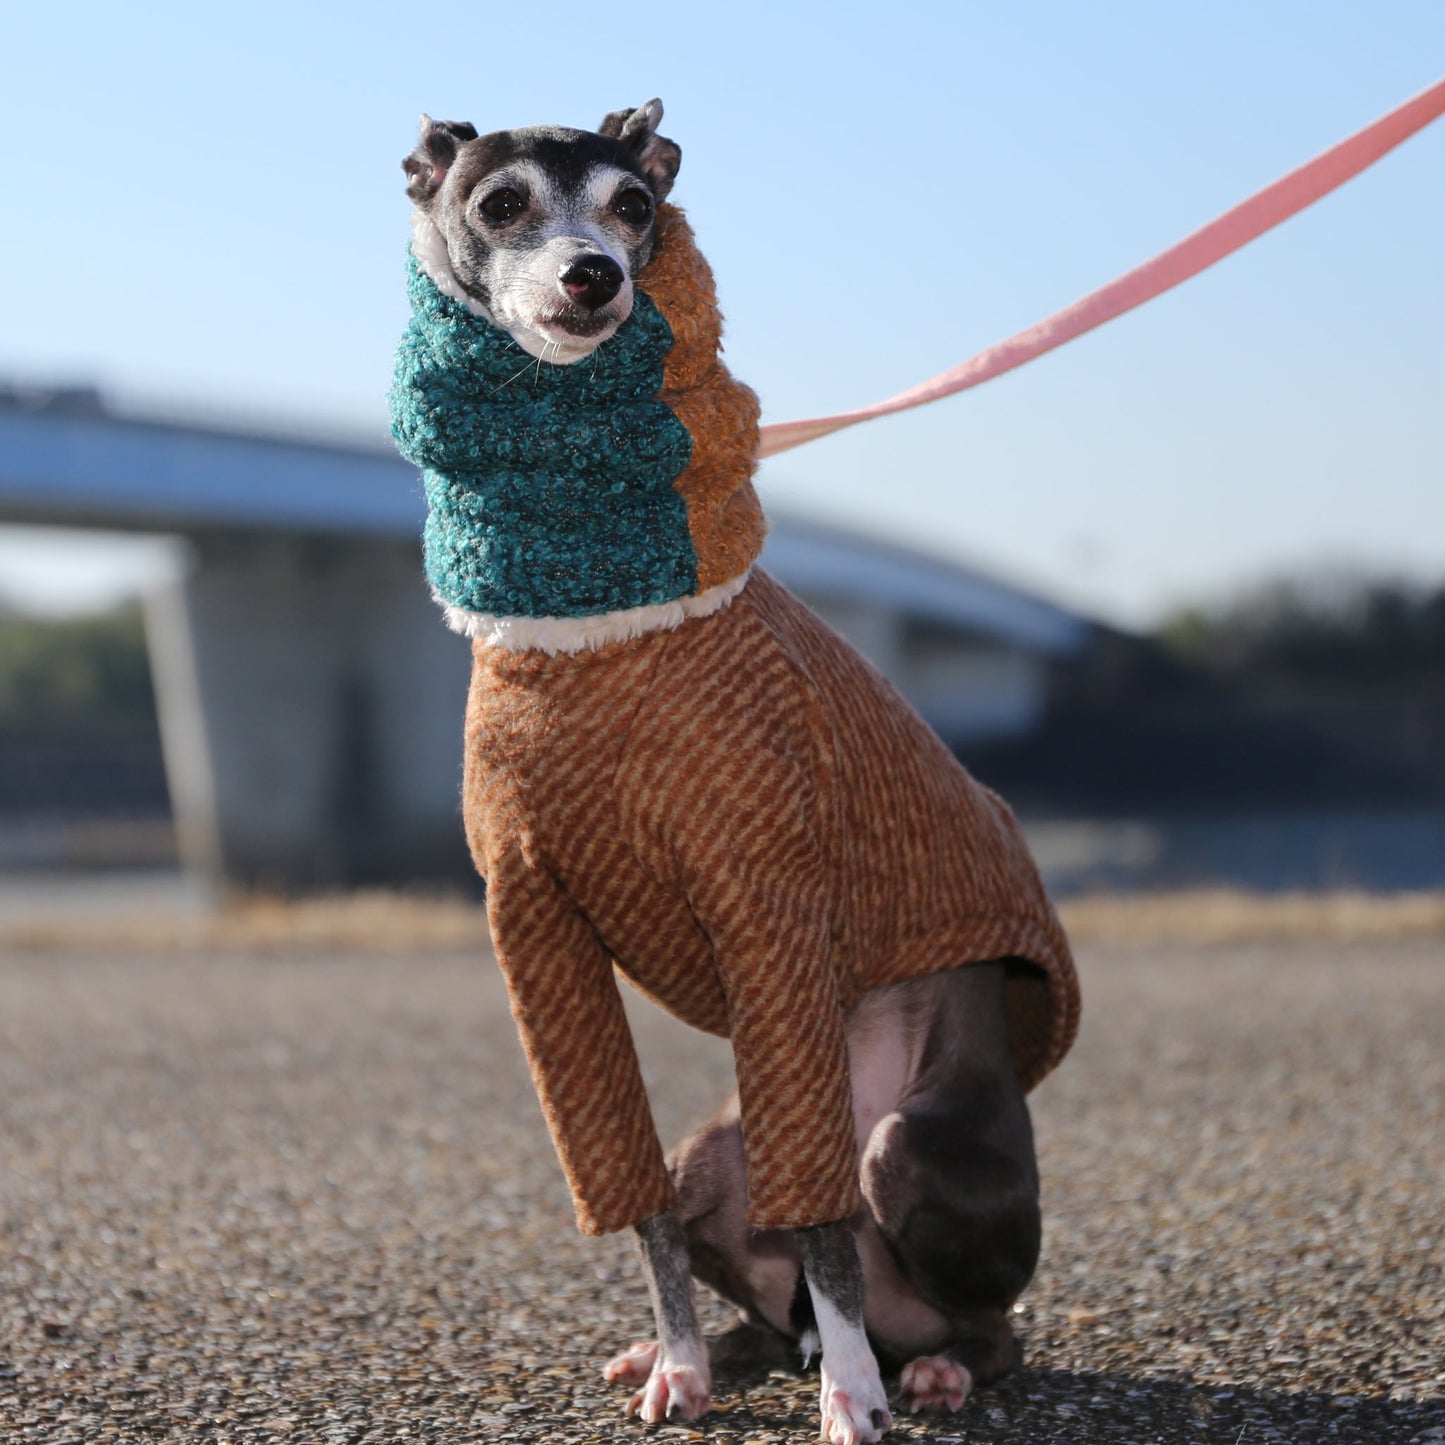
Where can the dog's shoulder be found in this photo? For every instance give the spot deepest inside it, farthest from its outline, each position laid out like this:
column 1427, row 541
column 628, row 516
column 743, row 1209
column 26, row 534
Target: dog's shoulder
column 762, row 648
column 733, row 696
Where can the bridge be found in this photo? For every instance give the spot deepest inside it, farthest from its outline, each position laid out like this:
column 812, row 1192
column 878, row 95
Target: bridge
column 310, row 698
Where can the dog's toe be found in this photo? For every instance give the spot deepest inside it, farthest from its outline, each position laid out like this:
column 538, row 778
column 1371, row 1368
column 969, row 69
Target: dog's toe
column 848, row 1420
column 633, row 1365
column 855, row 1409
column 934, row 1383
column 672, row 1392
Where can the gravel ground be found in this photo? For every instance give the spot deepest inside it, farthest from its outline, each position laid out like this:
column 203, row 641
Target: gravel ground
column 273, row 1199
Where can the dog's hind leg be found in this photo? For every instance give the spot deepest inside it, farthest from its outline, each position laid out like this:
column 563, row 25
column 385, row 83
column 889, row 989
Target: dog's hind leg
column 760, row 1271
column 951, row 1179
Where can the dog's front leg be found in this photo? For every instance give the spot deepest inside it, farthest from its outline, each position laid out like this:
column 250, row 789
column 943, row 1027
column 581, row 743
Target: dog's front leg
column 678, row 1383
column 855, row 1408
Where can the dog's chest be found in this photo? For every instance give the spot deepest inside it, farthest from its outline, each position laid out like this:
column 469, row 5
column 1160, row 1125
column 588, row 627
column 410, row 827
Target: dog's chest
column 546, row 741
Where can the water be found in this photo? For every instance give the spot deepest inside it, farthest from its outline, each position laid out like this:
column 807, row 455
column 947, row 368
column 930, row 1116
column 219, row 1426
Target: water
column 1381, row 851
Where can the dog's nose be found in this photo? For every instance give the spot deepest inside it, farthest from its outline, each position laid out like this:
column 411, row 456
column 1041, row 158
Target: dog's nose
column 592, row 281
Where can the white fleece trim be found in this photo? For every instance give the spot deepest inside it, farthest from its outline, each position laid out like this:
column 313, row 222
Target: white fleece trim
column 569, row 635
column 429, row 247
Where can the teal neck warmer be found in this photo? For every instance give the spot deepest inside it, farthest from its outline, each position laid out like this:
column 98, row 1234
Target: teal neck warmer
column 549, row 488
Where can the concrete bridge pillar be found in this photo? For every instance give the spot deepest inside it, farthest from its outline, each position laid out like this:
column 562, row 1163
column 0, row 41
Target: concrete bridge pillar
column 311, row 705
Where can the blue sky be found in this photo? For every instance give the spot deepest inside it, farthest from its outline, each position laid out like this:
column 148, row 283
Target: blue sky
column 207, row 212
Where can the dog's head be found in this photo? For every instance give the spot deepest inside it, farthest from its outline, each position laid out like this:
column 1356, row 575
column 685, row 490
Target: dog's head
column 542, row 230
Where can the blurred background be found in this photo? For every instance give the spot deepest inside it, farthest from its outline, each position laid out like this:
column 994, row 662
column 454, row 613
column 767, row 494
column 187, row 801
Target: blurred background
column 1178, row 590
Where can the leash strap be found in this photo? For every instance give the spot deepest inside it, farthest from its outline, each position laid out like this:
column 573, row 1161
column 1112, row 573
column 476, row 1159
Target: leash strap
column 1221, row 237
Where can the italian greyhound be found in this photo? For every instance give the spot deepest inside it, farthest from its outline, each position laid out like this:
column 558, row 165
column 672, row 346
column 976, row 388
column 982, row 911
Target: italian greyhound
column 542, row 231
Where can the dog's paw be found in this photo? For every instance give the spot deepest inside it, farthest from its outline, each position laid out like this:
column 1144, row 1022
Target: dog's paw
column 934, row 1383
column 674, row 1391
column 854, row 1413
column 633, row 1365
column 678, row 1383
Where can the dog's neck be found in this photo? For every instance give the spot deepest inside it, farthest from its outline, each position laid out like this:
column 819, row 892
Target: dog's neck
column 575, row 507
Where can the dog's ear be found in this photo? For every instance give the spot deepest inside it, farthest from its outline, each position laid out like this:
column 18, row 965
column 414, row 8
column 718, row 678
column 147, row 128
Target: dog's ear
column 637, row 130
column 427, row 166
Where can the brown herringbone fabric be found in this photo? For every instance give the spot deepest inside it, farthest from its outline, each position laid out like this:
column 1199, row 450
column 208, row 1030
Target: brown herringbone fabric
column 753, row 826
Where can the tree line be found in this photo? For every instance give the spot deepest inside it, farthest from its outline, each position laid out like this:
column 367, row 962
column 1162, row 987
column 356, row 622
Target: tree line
column 74, row 670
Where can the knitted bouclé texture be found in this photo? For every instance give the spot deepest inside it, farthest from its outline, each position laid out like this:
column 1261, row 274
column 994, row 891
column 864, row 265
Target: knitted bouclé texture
column 621, row 481
column 752, row 825
column 725, row 518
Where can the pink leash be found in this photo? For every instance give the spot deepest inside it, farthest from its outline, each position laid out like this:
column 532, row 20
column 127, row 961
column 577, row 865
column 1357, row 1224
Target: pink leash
column 1235, row 228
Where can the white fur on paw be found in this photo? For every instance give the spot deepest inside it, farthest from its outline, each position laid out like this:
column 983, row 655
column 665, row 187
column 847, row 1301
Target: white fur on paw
column 855, row 1412
column 672, row 1392
column 934, row 1383
column 633, row 1365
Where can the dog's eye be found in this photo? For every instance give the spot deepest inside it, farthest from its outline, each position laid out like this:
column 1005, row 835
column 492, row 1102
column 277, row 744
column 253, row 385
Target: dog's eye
column 635, row 207
column 503, row 205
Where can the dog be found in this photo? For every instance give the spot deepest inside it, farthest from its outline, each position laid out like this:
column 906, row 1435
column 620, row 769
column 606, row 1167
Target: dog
column 543, row 233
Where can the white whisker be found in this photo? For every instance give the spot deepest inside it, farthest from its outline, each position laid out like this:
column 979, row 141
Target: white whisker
column 514, row 376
